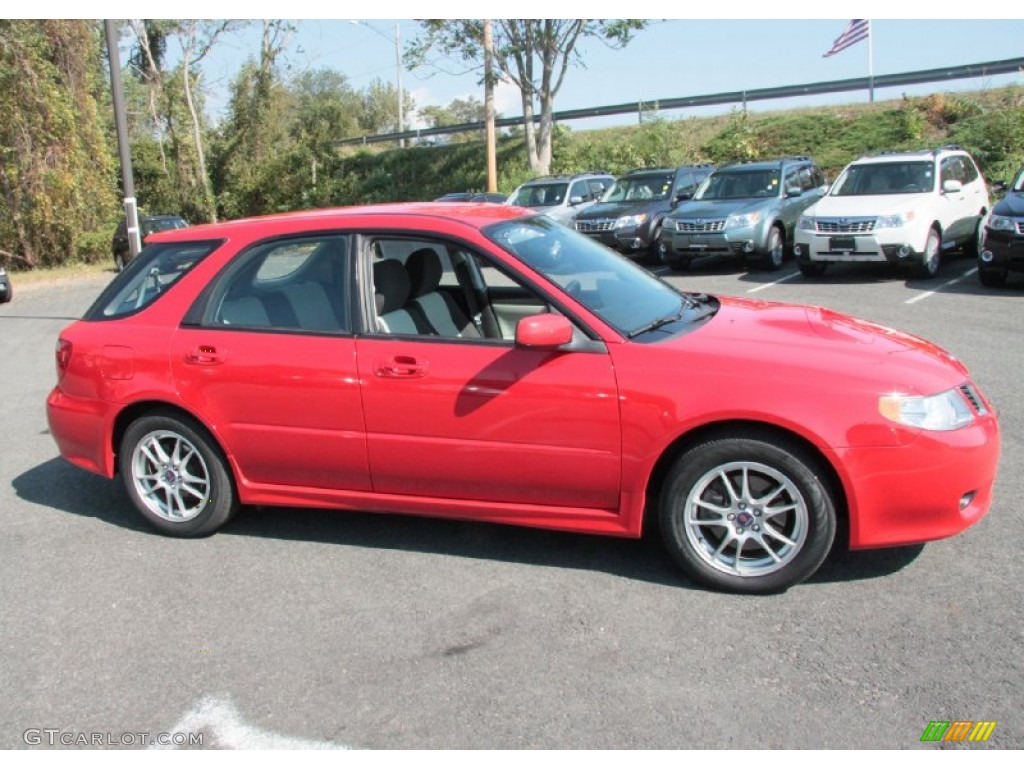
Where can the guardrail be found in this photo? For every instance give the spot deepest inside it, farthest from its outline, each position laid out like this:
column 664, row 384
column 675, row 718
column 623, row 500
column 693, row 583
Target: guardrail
column 984, row 69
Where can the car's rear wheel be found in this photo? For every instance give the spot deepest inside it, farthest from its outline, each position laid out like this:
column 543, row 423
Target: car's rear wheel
column 931, row 259
column 747, row 514
column 176, row 475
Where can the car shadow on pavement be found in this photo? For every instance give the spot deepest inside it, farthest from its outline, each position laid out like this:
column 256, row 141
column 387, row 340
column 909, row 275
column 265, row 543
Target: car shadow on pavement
column 61, row 486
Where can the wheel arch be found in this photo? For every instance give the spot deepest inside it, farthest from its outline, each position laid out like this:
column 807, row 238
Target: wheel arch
column 750, row 429
column 142, row 408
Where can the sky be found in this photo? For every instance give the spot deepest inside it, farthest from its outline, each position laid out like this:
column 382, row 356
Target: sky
column 672, row 57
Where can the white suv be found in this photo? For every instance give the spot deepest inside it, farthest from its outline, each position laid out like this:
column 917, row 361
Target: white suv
column 562, row 197
column 895, row 207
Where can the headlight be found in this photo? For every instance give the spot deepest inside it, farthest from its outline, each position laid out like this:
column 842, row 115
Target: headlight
column 630, row 221
column 806, row 223
column 894, row 220
column 942, row 412
column 738, row 220
column 1002, row 222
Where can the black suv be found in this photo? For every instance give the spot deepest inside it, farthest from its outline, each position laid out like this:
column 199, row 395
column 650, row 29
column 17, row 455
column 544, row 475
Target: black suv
column 1002, row 240
column 147, row 226
column 628, row 216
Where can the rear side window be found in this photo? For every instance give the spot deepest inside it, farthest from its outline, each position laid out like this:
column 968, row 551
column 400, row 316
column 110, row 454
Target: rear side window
column 150, row 275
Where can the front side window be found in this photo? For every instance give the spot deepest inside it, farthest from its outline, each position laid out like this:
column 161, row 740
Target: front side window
column 150, row 275
column 296, row 284
column 434, row 288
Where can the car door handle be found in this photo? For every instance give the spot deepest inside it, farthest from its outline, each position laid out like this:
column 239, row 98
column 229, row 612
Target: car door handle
column 204, row 354
column 402, row 367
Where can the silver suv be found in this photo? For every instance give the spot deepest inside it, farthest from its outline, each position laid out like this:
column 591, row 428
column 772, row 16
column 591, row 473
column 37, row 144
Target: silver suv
column 748, row 210
column 904, row 208
column 562, row 197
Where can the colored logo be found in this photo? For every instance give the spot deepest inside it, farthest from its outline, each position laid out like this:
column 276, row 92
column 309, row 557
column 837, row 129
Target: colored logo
column 958, row 730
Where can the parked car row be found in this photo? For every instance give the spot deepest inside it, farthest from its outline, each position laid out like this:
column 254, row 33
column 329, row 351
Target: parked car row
column 1002, row 243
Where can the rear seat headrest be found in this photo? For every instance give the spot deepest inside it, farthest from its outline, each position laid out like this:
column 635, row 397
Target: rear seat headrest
column 424, row 268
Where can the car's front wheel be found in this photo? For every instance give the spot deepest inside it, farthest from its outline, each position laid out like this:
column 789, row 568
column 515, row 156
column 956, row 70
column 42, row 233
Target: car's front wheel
column 992, row 278
column 775, row 252
column 176, row 475
column 812, row 268
column 931, row 259
column 747, row 513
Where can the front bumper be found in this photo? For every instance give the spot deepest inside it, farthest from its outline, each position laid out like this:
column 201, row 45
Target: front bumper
column 739, row 241
column 889, row 246
column 624, row 239
column 935, row 487
column 1002, row 251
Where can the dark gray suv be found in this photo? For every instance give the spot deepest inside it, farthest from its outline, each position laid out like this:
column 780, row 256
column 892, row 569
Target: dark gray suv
column 748, row 210
column 628, row 217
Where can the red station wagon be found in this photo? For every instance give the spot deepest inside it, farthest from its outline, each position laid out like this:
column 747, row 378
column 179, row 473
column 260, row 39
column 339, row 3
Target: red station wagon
column 485, row 363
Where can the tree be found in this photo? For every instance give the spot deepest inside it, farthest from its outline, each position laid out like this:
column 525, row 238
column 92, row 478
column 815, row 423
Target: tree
column 534, row 54
column 56, row 167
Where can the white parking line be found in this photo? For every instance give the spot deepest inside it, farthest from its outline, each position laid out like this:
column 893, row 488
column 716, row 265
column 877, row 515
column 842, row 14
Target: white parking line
column 954, row 281
column 790, row 276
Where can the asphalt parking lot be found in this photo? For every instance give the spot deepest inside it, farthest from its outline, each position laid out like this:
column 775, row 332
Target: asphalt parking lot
column 312, row 628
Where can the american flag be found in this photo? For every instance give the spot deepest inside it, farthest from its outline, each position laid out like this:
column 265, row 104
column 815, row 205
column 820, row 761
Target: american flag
column 856, row 30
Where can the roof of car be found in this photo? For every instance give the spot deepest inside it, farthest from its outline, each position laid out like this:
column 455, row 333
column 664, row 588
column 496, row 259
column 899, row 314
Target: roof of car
column 567, row 177
column 889, row 156
column 762, row 165
column 473, row 214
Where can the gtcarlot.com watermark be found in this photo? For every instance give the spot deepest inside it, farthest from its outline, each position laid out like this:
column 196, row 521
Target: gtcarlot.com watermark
column 55, row 737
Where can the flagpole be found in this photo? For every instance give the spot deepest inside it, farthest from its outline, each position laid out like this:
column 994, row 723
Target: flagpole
column 871, row 65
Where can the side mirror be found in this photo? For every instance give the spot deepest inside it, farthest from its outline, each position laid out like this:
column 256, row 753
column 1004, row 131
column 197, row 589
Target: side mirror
column 575, row 200
column 544, row 331
column 999, row 187
column 793, row 190
column 951, row 186
column 682, row 195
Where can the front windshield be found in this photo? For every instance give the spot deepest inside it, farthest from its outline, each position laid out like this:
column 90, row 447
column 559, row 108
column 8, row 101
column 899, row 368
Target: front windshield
column 620, row 293
column 885, row 179
column 637, row 188
column 739, row 185
column 540, row 195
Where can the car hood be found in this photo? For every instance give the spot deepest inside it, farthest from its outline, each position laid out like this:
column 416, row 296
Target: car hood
column 718, row 209
column 1011, row 205
column 865, row 205
column 819, row 344
column 614, row 210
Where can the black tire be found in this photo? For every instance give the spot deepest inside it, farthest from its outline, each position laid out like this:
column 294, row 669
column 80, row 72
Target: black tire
column 176, row 475
column 992, row 278
column 972, row 247
column 118, row 262
column 775, row 253
column 779, row 473
column 656, row 249
column 931, row 259
column 812, row 268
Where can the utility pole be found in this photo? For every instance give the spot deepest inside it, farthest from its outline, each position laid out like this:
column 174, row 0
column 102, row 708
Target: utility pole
column 492, row 159
column 131, row 211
